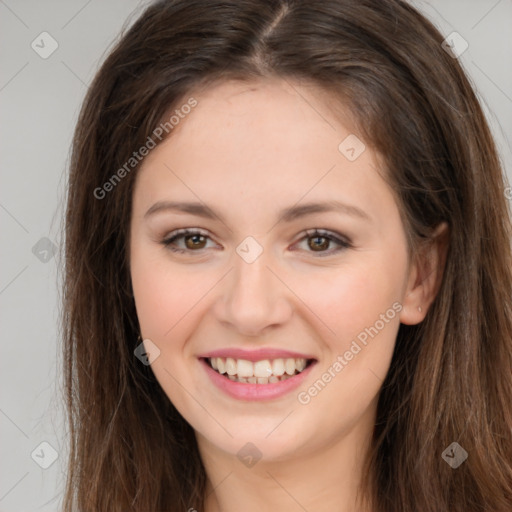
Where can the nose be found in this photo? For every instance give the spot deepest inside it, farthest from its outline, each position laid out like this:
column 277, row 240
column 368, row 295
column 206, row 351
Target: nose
column 253, row 299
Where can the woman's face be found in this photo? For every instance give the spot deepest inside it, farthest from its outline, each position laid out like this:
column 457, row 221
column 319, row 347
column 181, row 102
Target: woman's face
column 253, row 290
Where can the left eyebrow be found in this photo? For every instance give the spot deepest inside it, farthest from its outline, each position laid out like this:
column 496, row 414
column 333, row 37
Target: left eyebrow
column 295, row 212
column 286, row 215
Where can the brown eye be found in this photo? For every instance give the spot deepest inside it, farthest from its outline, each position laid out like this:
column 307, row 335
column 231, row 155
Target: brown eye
column 194, row 241
column 318, row 241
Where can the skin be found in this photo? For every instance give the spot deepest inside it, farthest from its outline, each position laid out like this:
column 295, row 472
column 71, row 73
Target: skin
column 249, row 150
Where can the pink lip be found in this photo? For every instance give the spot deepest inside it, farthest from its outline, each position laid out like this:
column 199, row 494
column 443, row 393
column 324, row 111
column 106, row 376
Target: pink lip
column 255, row 355
column 254, row 392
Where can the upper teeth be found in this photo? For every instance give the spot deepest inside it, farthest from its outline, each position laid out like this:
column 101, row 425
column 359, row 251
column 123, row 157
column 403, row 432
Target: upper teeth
column 264, row 368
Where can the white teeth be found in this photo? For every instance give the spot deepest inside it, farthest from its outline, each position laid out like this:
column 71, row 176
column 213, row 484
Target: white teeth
column 278, row 367
column 230, row 366
column 245, row 368
column 289, row 366
column 300, row 364
column 260, row 372
column 262, row 369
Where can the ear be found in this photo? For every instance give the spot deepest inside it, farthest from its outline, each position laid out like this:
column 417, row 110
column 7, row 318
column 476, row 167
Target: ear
column 425, row 277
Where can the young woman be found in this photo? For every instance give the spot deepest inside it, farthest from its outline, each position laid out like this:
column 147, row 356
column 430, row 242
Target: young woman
column 288, row 268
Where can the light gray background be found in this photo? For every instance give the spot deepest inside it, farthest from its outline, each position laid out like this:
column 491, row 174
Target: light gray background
column 40, row 100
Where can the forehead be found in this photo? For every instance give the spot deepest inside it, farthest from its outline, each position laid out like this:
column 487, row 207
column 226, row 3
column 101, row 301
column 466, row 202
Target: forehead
column 260, row 141
column 266, row 103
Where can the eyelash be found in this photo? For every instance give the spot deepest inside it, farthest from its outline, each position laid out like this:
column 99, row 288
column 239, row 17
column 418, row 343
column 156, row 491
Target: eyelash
column 310, row 233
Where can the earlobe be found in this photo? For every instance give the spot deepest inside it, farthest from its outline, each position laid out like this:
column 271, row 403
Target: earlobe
column 425, row 277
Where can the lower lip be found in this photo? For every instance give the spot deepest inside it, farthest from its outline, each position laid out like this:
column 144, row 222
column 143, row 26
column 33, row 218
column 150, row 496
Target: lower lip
column 255, row 392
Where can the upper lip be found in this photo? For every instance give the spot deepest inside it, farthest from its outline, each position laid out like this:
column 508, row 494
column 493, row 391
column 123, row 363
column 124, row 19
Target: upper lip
column 255, row 355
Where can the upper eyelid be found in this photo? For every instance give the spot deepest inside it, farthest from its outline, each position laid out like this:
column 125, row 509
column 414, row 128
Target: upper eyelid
column 183, row 232
column 339, row 239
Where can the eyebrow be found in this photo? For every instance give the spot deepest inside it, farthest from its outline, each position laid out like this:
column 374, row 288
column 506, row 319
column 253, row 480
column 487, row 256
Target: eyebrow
column 287, row 215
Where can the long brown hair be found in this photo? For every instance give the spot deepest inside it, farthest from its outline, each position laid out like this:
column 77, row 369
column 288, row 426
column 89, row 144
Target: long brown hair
column 451, row 376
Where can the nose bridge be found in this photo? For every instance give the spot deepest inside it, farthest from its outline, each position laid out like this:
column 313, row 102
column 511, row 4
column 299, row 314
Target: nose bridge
column 250, row 279
column 253, row 297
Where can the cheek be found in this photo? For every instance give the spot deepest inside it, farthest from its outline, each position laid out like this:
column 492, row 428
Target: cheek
column 362, row 307
column 164, row 294
column 348, row 300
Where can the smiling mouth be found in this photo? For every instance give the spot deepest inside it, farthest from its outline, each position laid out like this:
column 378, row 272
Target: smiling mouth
column 266, row 371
